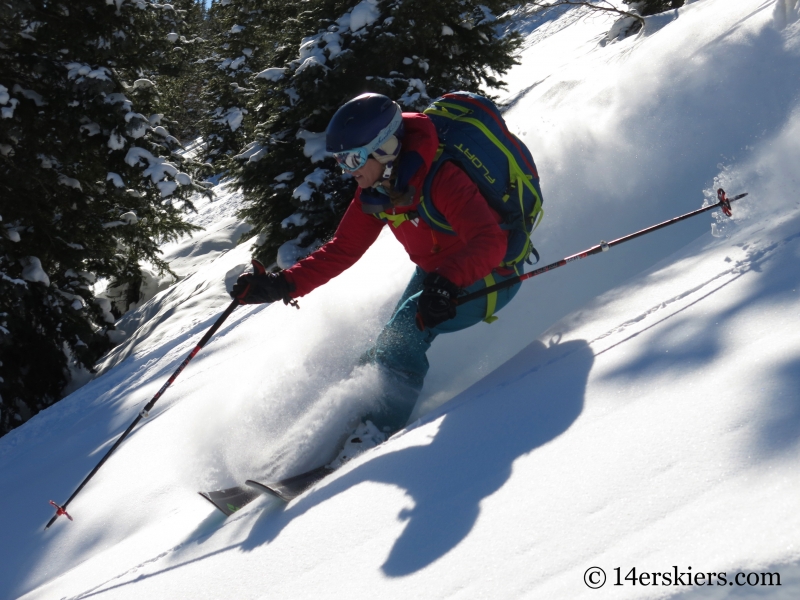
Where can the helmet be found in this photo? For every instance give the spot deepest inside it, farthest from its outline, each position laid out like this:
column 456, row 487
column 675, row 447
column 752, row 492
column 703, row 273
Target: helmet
column 360, row 127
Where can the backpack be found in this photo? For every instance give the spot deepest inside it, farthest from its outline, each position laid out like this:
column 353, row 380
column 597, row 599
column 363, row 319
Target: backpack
column 473, row 134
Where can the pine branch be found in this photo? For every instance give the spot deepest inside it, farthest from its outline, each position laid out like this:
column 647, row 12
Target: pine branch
column 592, row 6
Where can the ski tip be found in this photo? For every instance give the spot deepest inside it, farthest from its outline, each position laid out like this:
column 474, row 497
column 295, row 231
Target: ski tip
column 230, row 500
column 267, row 490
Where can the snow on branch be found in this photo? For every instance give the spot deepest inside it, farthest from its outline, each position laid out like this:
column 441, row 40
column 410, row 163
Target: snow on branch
column 310, row 184
column 158, row 169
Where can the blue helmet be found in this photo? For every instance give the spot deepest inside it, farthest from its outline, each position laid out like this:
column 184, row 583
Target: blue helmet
column 360, row 127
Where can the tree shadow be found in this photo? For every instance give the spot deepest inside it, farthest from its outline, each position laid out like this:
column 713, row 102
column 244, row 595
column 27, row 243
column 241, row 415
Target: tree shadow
column 690, row 344
column 518, row 408
column 780, row 426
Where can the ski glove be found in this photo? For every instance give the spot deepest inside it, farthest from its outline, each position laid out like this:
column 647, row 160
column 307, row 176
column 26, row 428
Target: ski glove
column 437, row 303
column 257, row 288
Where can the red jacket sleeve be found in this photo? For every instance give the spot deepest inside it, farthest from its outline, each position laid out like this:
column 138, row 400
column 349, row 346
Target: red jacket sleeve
column 355, row 234
column 477, row 225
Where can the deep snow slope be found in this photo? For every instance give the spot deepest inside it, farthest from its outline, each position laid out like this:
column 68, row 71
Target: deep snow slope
column 637, row 409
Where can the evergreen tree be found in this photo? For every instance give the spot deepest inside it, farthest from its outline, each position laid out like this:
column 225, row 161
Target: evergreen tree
column 179, row 78
column 90, row 183
column 410, row 50
column 239, row 42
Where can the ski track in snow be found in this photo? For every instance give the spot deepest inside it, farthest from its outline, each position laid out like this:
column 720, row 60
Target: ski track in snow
column 742, row 267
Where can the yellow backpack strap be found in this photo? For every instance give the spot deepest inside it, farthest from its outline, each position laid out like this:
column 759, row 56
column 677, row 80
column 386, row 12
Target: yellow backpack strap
column 491, row 300
column 397, row 220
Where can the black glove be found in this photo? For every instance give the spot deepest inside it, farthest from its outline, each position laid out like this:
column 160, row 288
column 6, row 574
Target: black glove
column 257, row 288
column 437, row 303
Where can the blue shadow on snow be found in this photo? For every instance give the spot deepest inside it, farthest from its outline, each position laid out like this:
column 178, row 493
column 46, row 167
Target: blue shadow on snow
column 517, row 409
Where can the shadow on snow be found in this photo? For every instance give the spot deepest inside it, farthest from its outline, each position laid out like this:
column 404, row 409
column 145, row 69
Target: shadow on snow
column 508, row 415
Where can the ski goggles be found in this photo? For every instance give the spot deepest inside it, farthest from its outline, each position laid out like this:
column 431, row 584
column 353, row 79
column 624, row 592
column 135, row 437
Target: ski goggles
column 353, row 160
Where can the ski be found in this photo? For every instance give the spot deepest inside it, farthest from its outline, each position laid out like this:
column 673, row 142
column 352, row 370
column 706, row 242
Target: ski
column 291, row 487
column 366, row 437
column 232, row 499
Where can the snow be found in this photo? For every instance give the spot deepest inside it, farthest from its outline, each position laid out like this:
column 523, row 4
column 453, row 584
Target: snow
column 7, row 112
column 116, row 141
column 311, row 61
column 296, row 220
column 253, row 152
column 364, row 13
column 238, row 62
column 310, row 184
column 158, row 168
column 638, row 408
column 272, row 74
column 29, row 94
column 167, row 188
column 233, row 117
column 48, row 162
column 314, row 146
column 32, row 271
column 117, row 98
column 290, row 252
column 786, row 12
column 90, row 129
column 137, row 124
column 80, row 70
column 129, row 217
column 115, row 179
column 69, row 182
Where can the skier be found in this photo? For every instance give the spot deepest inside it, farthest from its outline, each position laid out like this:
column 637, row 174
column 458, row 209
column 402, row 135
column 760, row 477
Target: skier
column 389, row 153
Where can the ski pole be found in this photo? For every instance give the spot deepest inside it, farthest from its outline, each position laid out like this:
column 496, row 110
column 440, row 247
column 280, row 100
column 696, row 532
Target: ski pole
column 723, row 202
column 61, row 509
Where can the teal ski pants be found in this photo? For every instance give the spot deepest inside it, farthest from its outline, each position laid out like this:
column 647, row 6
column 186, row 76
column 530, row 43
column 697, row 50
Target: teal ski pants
column 401, row 347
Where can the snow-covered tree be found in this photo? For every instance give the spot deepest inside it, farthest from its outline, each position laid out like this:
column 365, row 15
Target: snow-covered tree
column 90, row 183
column 179, row 77
column 410, row 50
column 240, row 38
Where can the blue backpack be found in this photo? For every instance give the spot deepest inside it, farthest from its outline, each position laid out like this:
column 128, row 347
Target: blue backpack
column 473, row 134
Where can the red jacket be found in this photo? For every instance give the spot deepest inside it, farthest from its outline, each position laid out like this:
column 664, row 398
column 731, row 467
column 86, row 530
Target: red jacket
column 477, row 249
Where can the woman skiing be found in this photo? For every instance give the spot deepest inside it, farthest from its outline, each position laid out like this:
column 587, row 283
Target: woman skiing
column 389, row 153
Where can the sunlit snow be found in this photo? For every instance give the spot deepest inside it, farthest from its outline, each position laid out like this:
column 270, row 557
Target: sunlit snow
column 636, row 409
